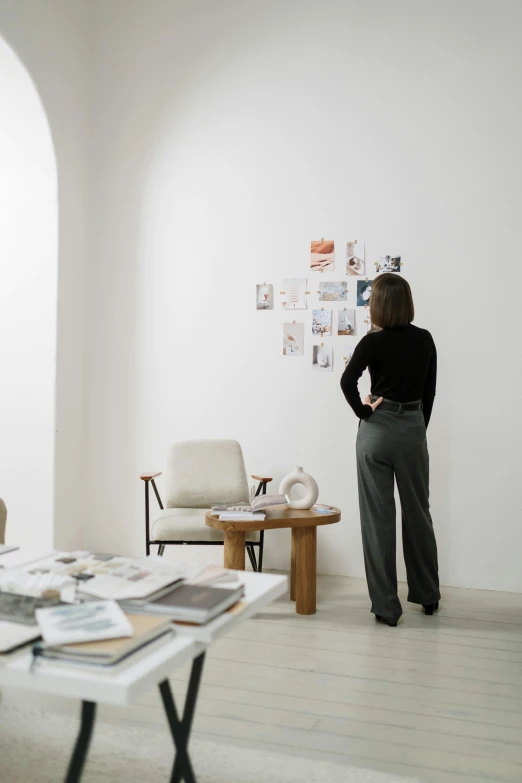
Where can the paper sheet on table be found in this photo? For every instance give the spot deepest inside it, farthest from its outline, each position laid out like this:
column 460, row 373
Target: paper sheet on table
column 13, row 635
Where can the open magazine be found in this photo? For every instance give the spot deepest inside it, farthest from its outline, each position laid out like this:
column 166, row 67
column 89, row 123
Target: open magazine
column 256, row 505
column 67, row 576
column 97, row 575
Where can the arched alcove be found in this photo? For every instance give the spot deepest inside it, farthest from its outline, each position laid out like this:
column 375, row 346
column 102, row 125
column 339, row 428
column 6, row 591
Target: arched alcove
column 28, row 306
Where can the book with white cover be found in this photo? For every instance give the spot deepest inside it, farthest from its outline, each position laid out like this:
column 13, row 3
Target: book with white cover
column 146, row 629
column 85, row 622
column 238, row 516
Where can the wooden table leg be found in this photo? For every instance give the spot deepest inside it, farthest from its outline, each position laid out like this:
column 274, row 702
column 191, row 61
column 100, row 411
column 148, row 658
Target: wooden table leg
column 292, row 568
column 305, row 569
column 234, row 550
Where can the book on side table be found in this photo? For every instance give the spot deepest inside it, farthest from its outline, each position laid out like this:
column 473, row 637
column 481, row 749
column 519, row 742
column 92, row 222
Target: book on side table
column 244, row 512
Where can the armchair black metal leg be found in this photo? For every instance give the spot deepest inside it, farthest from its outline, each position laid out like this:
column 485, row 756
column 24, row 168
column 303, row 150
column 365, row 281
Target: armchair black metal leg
column 147, row 514
column 261, row 490
column 81, row 748
column 147, row 536
column 180, row 729
column 261, row 546
column 161, row 549
column 251, row 555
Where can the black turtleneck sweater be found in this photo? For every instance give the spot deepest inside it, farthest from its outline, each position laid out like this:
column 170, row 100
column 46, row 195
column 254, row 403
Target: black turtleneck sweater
column 403, row 368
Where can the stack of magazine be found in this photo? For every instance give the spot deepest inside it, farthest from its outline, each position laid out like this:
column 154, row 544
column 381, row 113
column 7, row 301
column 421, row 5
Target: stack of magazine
column 245, row 512
column 99, row 608
column 95, row 632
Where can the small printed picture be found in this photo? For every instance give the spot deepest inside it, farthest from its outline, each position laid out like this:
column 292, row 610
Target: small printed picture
column 294, row 297
column 293, row 339
column 364, row 290
column 355, row 258
column 333, row 292
column 265, row 297
column 322, row 254
column 346, row 323
column 322, row 358
column 388, row 264
column 322, row 323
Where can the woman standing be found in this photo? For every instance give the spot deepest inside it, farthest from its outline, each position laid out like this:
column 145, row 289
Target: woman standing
column 391, row 443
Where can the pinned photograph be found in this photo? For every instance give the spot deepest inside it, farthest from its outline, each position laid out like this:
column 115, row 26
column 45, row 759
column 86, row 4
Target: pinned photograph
column 322, row 323
column 265, row 297
column 293, row 339
column 322, row 254
column 346, row 324
column 388, row 264
column 355, row 258
column 333, row 292
column 294, row 296
column 364, row 291
column 322, row 358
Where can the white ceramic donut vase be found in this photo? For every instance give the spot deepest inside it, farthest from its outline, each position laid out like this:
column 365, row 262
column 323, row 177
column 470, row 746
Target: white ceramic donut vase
column 298, row 476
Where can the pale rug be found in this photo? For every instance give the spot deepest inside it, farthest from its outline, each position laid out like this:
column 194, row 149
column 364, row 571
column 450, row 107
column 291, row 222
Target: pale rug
column 36, row 745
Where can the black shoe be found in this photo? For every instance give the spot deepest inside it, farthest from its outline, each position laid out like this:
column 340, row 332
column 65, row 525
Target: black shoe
column 391, row 623
column 430, row 608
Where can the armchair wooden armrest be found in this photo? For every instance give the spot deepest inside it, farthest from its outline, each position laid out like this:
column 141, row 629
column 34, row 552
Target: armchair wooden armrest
column 261, row 487
column 149, row 476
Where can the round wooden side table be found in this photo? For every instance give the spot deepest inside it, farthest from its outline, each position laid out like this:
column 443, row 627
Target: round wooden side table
column 304, row 524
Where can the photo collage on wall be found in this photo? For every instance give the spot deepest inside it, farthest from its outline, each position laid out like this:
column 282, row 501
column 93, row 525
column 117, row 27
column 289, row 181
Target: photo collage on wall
column 340, row 307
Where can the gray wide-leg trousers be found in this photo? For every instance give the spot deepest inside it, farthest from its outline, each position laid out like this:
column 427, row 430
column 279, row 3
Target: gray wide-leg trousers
column 393, row 445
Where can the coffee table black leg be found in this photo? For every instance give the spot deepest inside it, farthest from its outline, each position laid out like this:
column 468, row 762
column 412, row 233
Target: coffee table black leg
column 180, row 729
column 79, row 756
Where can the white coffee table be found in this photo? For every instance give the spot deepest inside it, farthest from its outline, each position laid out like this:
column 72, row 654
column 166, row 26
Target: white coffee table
column 125, row 682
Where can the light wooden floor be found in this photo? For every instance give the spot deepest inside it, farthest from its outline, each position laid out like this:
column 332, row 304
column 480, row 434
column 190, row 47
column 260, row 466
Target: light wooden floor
column 439, row 698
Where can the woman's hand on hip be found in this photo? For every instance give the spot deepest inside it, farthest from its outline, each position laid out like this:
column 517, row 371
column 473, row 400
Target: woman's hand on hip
column 373, row 405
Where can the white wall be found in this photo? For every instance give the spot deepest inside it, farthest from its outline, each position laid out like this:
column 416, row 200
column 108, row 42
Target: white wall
column 226, row 136
column 28, row 283
column 52, row 39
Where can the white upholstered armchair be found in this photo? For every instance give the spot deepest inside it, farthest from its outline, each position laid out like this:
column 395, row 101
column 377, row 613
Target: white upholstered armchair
column 200, row 473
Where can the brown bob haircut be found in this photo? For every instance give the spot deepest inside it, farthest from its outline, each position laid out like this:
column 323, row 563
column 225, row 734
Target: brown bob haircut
column 391, row 302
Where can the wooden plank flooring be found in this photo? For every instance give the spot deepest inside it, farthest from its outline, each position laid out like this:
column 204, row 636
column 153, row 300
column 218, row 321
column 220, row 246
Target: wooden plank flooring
column 438, row 698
